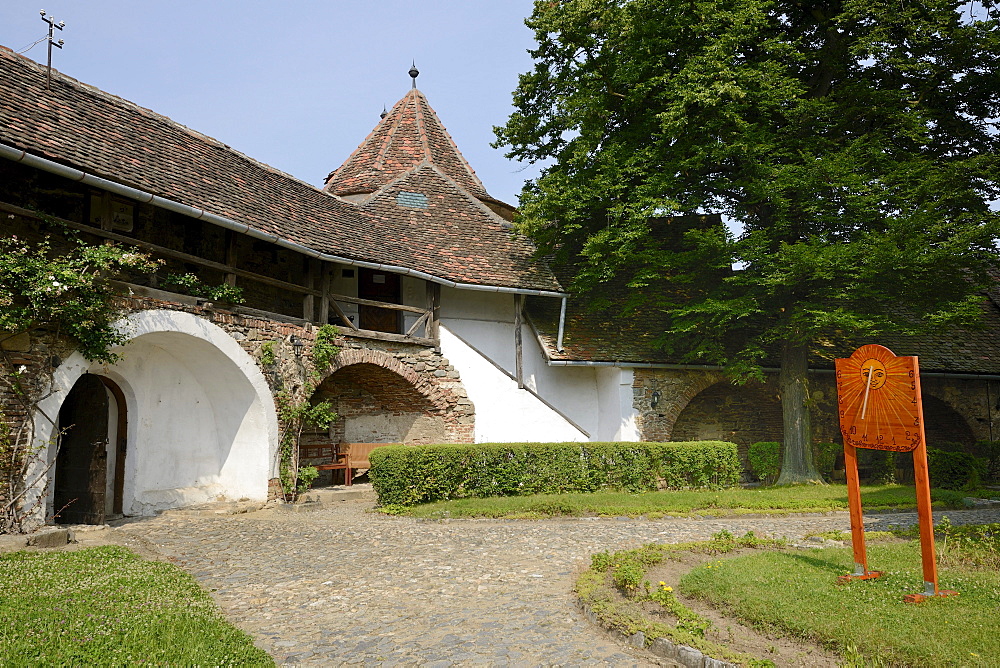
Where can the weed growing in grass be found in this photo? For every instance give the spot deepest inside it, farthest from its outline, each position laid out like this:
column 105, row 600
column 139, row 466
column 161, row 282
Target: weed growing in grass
column 625, row 570
column 687, row 619
column 972, row 546
column 628, row 575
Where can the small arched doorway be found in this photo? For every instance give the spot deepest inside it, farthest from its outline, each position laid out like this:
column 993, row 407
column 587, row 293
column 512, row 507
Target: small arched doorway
column 90, row 464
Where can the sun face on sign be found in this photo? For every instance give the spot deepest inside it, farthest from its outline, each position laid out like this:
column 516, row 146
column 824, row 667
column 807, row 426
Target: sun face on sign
column 874, row 371
column 879, row 400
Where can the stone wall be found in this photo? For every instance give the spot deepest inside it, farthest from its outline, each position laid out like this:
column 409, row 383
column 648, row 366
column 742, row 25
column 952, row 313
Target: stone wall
column 403, row 380
column 699, row 405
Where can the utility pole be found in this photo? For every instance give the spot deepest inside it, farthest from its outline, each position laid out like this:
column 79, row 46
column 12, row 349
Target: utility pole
column 52, row 26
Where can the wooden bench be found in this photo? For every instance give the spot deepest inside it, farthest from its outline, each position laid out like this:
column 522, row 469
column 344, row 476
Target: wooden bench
column 350, row 457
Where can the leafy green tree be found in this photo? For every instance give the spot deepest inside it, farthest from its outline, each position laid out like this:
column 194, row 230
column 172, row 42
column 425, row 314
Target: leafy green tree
column 853, row 144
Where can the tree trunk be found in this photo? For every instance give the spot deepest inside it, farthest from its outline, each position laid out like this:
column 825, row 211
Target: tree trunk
column 793, row 381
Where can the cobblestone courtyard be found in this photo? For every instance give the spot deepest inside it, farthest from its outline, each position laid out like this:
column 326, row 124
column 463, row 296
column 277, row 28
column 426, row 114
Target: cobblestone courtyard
column 343, row 586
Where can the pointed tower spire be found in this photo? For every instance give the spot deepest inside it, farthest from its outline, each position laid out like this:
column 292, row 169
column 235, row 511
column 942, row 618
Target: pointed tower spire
column 384, row 112
column 410, row 134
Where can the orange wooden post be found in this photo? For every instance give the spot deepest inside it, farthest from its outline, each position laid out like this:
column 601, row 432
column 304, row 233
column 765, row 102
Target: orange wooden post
column 861, row 571
column 925, row 514
column 925, row 518
column 857, row 518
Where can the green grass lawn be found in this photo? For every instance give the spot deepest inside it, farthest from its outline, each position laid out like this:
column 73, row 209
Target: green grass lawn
column 108, row 606
column 736, row 501
column 794, row 592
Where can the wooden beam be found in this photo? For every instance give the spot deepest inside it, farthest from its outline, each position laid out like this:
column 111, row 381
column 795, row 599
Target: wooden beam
column 369, row 302
column 420, row 321
column 434, row 306
column 385, row 336
column 230, row 256
column 324, row 291
column 309, row 300
column 168, row 252
column 106, row 222
column 343, row 316
column 518, row 362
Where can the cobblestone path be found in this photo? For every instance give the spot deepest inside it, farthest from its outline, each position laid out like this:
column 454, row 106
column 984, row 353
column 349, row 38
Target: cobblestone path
column 344, row 586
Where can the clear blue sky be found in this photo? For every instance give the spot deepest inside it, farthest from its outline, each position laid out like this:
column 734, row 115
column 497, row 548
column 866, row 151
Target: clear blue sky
column 297, row 85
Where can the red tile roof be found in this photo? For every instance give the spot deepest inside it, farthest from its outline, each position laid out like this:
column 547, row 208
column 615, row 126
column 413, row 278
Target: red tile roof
column 409, row 135
column 83, row 127
column 426, row 216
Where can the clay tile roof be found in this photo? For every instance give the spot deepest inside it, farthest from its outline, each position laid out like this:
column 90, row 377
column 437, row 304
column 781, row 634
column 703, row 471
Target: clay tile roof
column 86, row 128
column 425, row 215
column 606, row 336
column 83, row 127
column 409, row 135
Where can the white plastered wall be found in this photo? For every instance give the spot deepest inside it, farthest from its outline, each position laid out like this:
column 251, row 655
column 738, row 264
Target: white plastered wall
column 618, row 420
column 597, row 400
column 202, row 424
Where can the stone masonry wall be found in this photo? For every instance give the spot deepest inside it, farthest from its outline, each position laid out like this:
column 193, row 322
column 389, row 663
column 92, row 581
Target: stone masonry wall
column 422, row 376
column 695, row 405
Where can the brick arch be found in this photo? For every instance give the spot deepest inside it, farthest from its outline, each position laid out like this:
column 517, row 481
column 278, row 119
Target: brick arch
column 744, row 414
column 439, row 399
column 695, row 386
column 677, row 389
column 943, row 423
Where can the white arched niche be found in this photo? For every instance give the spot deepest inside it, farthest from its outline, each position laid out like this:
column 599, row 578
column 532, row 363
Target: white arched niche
column 202, row 424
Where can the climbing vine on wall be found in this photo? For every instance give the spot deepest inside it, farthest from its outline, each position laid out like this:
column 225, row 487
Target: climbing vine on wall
column 324, row 349
column 57, row 283
column 65, row 290
column 190, row 284
column 296, row 415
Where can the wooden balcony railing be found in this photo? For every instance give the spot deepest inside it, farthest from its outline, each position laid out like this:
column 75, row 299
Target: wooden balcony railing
column 313, row 312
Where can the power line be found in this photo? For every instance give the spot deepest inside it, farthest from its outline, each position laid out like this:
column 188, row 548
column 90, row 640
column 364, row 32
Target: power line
column 32, row 45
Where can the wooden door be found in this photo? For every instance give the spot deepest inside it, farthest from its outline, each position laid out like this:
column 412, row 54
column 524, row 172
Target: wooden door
column 81, row 465
column 379, row 286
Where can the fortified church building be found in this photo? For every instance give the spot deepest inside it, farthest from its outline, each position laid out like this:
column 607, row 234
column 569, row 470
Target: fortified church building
column 450, row 330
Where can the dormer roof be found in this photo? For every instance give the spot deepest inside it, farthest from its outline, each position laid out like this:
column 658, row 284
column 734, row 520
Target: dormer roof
column 408, row 136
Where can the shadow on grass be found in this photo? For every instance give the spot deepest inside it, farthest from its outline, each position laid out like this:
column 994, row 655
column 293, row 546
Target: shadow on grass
column 820, row 564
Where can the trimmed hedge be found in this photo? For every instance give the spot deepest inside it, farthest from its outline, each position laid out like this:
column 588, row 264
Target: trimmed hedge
column 953, row 470
column 409, row 475
column 765, row 461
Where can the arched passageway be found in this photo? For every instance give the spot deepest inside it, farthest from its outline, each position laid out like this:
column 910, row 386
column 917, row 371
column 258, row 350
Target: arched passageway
column 943, row 424
column 198, row 421
column 741, row 414
column 377, row 405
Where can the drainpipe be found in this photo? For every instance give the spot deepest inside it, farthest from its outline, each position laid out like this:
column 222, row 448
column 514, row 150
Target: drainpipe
column 562, row 325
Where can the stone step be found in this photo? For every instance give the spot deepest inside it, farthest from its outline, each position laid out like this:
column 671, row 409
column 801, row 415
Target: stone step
column 323, row 497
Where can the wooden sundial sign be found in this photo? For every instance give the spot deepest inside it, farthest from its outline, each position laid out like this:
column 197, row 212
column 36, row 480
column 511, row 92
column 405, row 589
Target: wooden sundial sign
column 878, row 399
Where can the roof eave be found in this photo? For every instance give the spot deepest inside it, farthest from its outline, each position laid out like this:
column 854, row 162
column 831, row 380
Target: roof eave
column 21, row 156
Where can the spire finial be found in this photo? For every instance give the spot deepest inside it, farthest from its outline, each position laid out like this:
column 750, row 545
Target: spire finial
column 414, row 73
column 384, row 112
